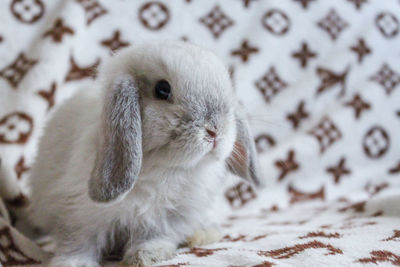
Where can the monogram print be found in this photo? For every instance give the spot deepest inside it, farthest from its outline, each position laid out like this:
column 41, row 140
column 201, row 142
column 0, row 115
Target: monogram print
column 319, row 83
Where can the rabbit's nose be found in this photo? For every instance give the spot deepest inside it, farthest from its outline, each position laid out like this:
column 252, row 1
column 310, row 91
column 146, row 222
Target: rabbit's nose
column 213, row 136
column 211, row 133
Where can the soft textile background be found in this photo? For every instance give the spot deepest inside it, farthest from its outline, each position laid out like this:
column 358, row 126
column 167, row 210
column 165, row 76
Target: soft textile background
column 320, row 80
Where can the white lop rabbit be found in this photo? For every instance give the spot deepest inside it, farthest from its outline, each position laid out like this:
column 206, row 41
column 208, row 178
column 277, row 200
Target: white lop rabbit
column 132, row 164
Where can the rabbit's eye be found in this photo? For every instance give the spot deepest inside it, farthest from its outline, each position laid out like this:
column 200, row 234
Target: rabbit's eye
column 163, row 90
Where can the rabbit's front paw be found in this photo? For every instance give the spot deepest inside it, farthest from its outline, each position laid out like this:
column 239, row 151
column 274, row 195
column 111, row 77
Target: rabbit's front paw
column 204, row 237
column 148, row 253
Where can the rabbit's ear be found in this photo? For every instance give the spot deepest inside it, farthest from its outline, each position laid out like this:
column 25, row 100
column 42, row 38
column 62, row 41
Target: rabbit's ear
column 119, row 157
column 243, row 160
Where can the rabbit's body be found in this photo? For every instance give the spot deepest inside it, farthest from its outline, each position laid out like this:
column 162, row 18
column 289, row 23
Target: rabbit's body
column 155, row 202
column 172, row 167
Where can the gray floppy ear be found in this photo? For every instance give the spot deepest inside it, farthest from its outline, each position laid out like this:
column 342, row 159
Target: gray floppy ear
column 244, row 161
column 119, row 157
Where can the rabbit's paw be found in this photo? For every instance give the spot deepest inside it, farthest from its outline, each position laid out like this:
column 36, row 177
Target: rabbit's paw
column 72, row 261
column 204, row 237
column 148, row 253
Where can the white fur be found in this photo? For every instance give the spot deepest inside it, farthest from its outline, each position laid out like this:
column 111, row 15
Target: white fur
column 204, row 237
column 172, row 194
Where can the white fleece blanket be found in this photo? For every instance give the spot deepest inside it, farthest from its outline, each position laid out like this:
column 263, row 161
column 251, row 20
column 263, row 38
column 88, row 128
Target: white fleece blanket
column 321, row 83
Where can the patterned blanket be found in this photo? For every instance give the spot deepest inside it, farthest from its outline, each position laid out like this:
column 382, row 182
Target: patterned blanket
column 321, row 83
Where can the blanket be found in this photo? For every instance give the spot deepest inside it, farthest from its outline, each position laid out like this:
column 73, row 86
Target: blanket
column 320, row 81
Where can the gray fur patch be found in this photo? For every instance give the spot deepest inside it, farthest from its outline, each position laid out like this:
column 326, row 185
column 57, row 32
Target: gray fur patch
column 118, row 161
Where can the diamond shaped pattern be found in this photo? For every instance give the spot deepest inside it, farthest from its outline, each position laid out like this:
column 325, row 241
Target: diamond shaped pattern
column 333, row 24
column 326, row 133
column 216, row 21
column 270, row 84
column 388, row 78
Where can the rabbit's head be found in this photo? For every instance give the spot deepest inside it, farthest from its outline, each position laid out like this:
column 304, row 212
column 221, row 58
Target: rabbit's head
column 172, row 105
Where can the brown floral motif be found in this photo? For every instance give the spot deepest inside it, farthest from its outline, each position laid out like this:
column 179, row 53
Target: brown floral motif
column 10, row 254
column 321, row 234
column 245, row 51
column 394, row 237
column 358, row 104
column 15, row 128
column 304, row 3
column 264, row 264
column 298, row 196
column 20, row 168
column 387, row 24
column 16, row 71
column 276, row 22
column 326, row 133
column 258, row 237
column 93, row 10
column 48, row 95
column 270, row 84
column 358, row 3
column 242, row 238
column 395, row 169
column 333, row 24
column 376, row 142
column 329, row 79
column 203, row 252
column 387, row 77
column 339, row 170
column 228, row 238
column 27, row 11
column 114, row 43
column 77, row 73
column 240, row 194
column 288, row 252
column 216, row 21
column 300, row 114
column 356, row 207
column 287, row 166
column 381, row 256
column 361, row 49
column 154, row 15
column 58, row 31
column 263, row 142
column 304, row 55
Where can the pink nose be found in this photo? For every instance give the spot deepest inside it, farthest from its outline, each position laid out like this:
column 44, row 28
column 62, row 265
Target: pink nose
column 211, row 133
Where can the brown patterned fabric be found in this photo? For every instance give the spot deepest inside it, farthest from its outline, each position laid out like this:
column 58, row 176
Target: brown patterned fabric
column 27, row 11
column 320, row 81
column 16, row 71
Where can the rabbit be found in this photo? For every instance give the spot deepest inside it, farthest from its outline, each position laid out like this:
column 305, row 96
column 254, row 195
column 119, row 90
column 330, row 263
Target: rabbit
column 133, row 163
